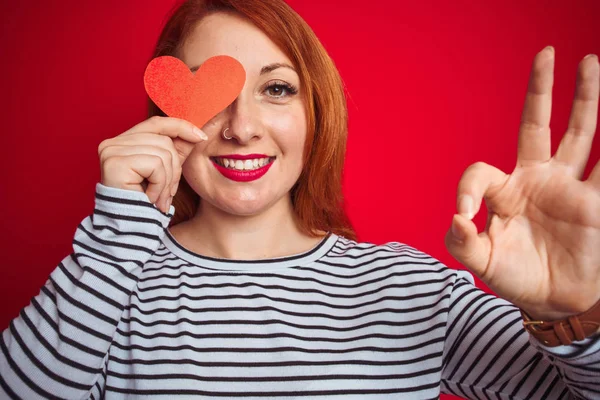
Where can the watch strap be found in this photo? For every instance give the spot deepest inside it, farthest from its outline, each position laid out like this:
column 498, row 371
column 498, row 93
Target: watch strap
column 565, row 331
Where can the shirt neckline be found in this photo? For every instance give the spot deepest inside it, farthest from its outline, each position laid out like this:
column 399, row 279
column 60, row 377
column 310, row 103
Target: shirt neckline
column 296, row 260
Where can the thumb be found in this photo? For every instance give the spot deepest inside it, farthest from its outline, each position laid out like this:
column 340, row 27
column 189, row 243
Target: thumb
column 184, row 148
column 471, row 249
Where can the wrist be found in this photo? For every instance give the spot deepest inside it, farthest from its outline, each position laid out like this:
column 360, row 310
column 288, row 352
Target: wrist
column 564, row 310
column 565, row 330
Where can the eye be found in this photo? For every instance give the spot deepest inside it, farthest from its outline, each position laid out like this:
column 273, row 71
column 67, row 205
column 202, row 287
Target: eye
column 280, row 90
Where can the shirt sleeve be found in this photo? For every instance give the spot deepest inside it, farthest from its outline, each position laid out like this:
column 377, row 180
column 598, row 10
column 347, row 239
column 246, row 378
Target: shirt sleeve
column 488, row 354
column 57, row 346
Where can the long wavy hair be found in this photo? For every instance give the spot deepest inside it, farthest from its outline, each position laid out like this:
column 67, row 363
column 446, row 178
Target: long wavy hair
column 317, row 195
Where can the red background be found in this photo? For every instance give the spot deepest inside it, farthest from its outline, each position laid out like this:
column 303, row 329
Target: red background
column 433, row 86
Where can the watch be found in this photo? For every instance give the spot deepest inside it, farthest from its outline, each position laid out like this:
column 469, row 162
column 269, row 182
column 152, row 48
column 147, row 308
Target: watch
column 565, row 331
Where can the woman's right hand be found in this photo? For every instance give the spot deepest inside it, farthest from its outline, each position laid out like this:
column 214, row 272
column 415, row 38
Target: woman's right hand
column 148, row 157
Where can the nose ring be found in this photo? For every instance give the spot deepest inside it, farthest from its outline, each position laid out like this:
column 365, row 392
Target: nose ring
column 225, row 136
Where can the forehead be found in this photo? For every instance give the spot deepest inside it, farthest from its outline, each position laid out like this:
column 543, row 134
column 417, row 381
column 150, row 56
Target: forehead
column 233, row 35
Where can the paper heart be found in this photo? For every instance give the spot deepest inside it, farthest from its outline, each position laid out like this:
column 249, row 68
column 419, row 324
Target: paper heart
column 198, row 97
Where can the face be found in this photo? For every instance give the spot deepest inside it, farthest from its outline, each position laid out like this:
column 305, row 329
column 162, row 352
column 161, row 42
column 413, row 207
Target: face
column 266, row 123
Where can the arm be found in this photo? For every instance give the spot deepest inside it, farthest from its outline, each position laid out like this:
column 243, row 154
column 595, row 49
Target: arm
column 488, row 354
column 57, row 346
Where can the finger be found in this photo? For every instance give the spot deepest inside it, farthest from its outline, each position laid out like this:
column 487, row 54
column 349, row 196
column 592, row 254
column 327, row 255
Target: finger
column 180, row 148
column 122, row 151
column 476, row 183
column 129, row 172
column 168, row 160
column 594, row 178
column 164, row 142
column 153, row 169
column 534, row 132
column 183, row 148
column 471, row 249
column 574, row 149
column 171, row 127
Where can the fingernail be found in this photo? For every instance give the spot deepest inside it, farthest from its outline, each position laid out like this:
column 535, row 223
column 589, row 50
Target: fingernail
column 200, row 133
column 458, row 234
column 465, row 206
column 590, row 56
column 550, row 49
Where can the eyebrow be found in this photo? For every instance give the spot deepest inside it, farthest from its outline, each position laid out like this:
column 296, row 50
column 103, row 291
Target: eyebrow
column 272, row 67
column 264, row 70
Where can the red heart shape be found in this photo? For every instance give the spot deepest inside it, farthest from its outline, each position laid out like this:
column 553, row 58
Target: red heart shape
column 198, row 97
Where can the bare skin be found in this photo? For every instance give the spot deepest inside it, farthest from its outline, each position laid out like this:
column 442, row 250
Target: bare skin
column 541, row 247
column 236, row 220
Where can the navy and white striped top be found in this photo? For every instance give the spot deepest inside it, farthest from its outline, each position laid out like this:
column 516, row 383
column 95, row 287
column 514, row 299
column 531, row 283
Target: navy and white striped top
column 132, row 314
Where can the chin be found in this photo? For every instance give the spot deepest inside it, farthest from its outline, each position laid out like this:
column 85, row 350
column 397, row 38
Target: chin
column 245, row 201
column 243, row 206
column 243, row 210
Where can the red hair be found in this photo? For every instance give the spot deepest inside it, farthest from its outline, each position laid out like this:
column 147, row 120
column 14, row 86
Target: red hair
column 317, row 195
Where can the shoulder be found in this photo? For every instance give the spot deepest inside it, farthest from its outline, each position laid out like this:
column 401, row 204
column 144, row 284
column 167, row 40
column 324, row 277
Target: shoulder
column 391, row 270
column 350, row 249
column 395, row 256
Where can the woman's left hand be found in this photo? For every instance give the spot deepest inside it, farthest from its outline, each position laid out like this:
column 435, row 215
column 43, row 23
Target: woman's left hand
column 540, row 249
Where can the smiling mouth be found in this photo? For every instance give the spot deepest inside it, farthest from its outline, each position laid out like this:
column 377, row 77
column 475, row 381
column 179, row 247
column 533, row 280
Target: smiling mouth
column 243, row 165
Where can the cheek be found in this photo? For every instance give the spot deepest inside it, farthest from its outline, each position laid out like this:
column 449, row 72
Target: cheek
column 290, row 131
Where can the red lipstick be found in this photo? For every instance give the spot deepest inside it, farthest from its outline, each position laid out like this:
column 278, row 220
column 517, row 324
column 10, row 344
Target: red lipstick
column 243, row 176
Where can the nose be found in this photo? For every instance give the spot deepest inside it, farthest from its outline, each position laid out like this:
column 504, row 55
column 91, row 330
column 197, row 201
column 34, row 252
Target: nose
column 242, row 120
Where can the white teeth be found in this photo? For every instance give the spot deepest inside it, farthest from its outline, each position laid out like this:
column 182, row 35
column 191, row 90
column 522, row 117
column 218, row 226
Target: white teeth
column 244, row 165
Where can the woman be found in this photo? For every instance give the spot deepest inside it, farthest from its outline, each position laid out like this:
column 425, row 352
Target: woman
column 257, row 288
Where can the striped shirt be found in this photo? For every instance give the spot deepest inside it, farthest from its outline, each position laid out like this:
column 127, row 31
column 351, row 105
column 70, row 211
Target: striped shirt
column 132, row 314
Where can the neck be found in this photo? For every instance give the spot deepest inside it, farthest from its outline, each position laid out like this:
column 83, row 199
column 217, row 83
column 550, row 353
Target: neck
column 273, row 233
